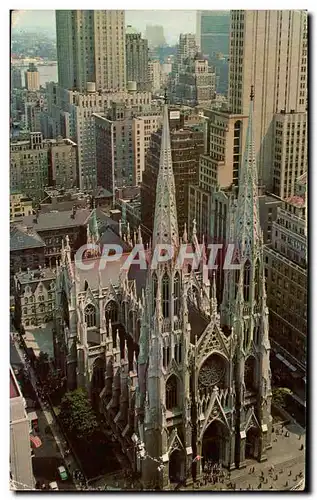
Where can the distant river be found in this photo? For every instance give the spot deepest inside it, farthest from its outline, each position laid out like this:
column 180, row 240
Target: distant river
column 47, row 74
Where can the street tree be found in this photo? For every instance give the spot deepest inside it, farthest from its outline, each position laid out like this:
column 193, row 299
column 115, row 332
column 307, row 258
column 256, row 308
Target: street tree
column 77, row 415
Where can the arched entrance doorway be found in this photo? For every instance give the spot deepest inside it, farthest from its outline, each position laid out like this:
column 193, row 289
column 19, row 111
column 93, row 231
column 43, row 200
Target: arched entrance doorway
column 214, row 443
column 252, row 443
column 176, row 468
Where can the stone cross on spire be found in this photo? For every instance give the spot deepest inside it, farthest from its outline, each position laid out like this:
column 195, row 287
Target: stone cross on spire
column 165, row 218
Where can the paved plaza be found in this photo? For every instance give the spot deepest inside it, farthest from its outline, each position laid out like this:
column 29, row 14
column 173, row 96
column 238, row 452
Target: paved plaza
column 283, row 469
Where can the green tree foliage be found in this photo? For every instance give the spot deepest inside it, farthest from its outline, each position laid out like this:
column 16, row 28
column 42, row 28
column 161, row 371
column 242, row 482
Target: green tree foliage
column 279, row 395
column 77, row 415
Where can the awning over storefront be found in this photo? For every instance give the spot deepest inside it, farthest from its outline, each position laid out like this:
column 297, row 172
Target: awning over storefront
column 291, row 367
column 36, row 441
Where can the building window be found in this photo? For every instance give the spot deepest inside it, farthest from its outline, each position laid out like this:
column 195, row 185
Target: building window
column 111, row 312
column 90, row 316
column 171, row 392
column 246, row 281
column 154, row 289
column 165, row 294
column 176, row 294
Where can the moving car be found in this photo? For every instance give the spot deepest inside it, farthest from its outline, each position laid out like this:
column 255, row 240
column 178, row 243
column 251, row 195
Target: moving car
column 62, row 473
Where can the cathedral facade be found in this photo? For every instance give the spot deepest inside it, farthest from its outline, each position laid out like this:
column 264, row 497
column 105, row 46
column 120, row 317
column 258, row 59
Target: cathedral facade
column 180, row 379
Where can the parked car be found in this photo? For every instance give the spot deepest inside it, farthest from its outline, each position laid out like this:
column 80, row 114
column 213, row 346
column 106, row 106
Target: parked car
column 62, row 473
column 53, row 486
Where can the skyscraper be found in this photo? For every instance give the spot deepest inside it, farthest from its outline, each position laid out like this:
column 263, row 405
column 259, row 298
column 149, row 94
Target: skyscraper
column 32, row 78
column 155, row 36
column 213, row 37
column 91, row 48
column 268, row 49
column 136, row 58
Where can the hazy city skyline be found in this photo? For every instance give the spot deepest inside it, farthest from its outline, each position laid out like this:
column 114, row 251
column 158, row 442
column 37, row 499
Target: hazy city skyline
column 173, row 21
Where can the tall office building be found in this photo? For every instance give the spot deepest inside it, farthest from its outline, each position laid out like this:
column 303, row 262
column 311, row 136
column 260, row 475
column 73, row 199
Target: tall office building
column 213, row 38
column 122, row 140
column 268, row 49
column 187, row 47
column 155, row 36
column 196, row 83
column 154, row 75
column 91, row 48
column 136, row 58
column 16, row 78
column 213, row 31
column 32, row 78
column 187, row 144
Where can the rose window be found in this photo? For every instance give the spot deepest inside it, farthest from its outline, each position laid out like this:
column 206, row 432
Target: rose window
column 212, row 372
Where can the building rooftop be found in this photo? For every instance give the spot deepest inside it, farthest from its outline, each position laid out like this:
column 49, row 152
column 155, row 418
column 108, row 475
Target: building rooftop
column 131, row 31
column 23, row 237
column 110, row 274
column 40, row 274
column 58, row 219
column 14, row 390
column 101, row 192
column 297, row 201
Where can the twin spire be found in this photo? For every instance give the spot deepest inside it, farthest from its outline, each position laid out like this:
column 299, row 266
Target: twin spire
column 165, row 229
column 247, row 221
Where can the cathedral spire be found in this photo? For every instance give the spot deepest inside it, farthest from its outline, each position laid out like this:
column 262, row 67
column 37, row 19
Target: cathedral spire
column 165, row 219
column 94, row 231
column 247, row 230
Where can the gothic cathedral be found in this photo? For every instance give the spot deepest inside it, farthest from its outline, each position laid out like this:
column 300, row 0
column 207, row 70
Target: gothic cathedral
column 175, row 376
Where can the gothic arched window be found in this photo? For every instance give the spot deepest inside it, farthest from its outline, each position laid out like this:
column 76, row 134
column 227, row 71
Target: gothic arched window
column 178, row 353
column 166, row 356
column 165, row 295
column 42, row 308
column 247, row 334
column 246, row 281
column 256, row 334
column 90, row 316
column 25, row 310
column 154, row 289
column 131, row 323
column 171, row 392
column 111, row 312
column 256, row 280
column 177, row 294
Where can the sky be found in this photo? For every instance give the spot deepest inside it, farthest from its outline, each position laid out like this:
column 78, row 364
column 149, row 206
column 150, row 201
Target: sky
column 173, row 21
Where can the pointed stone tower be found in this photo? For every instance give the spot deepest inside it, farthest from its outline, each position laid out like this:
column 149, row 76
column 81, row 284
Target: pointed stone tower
column 166, row 429
column 245, row 313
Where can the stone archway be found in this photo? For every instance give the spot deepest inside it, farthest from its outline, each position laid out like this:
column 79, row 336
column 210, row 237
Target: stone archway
column 176, row 466
column 252, row 443
column 214, row 444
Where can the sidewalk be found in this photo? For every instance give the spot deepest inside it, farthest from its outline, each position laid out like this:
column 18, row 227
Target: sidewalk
column 286, row 457
column 58, row 436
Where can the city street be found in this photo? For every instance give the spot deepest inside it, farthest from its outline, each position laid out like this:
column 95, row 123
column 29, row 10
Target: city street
column 49, row 456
